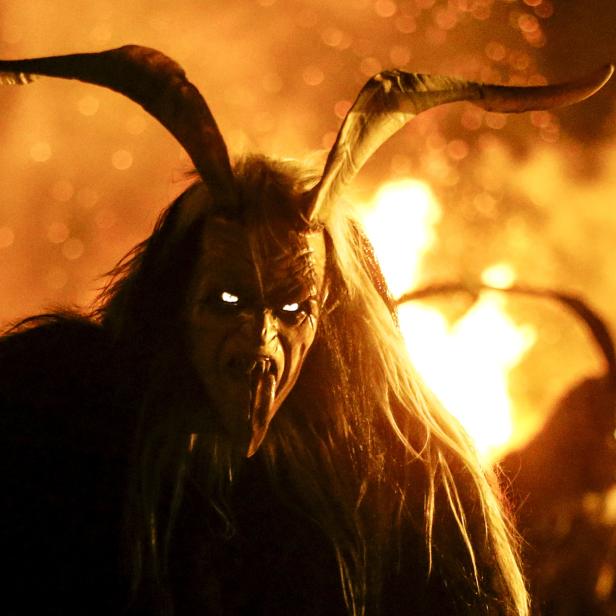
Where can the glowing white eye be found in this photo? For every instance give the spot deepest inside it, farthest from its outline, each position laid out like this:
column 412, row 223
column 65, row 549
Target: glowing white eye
column 229, row 298
column 294, row 307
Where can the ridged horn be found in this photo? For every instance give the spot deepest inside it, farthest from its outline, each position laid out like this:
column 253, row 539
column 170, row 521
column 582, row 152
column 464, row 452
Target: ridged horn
column 391, row 98
column 159, row 85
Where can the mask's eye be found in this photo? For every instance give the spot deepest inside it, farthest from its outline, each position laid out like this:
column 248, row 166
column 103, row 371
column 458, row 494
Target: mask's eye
column 294, row 313
column 224, row 303
column 229, row 298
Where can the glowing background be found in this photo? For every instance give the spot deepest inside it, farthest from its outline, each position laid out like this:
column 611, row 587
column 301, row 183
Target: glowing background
column 84, row 173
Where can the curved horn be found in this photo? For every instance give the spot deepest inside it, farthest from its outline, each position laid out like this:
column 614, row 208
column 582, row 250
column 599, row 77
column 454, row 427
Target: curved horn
column 159, row 85
column 595, row 324
column 391, row 98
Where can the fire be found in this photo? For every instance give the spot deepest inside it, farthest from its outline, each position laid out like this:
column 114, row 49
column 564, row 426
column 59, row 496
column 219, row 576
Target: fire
column 466, row 363
column 401, row 225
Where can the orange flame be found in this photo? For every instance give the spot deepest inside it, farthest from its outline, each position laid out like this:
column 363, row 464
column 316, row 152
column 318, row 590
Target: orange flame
column 467, row 363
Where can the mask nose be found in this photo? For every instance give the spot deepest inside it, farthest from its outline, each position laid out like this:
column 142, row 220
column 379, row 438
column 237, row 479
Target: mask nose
column 267, row 328
column 260, row 330
column 256, row 338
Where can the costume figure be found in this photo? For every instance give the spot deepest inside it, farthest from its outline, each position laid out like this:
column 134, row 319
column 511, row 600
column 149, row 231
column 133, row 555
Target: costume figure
column 235, row 428
column 562, row 484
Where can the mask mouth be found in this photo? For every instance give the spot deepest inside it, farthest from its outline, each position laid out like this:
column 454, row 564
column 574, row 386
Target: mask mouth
column 242, row 368
column 260, row 366
column 263, row 380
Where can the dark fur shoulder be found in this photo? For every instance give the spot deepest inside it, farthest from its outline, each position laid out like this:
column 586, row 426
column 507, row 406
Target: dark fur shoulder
column 56, row 381
column 63, row 448
column 49, row 328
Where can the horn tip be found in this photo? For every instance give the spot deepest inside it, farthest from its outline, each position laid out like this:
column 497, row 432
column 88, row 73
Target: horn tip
column 602, row 75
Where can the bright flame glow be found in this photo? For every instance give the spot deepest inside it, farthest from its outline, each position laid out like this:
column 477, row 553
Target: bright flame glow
column 400, row 224
column 465, row 364
column 499, row 275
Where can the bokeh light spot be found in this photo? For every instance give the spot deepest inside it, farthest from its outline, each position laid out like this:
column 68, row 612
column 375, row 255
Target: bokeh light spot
column 369, row 66
column 57, row 232
column 40, row 151
column 537, row 80
column 540, row 119
column 73, row 248
column 87, row 197
column 313, row 75
column 457, row 149
column 56, row 278
column 495, row 120
column 105, row 219
column 485, row 204
column 88, row 105
column 536, row 39
column 385, row 8
column 406, row 24
column 528, row 23
column 545, row 9
column 332, row 37
column 341, row 108
column 519, row 60
column 472, row 118
column 550, row 133
column 7, row 237
column 446, row 19
column 499, row 275
column 496, row 51
column 122, row 160
column 399, row 55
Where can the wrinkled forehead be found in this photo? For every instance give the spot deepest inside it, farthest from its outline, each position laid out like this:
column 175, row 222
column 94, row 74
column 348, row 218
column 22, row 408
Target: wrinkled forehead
column 271, row 257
